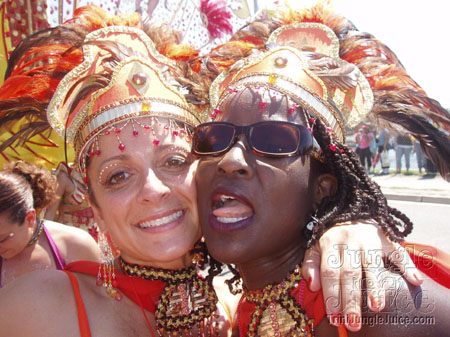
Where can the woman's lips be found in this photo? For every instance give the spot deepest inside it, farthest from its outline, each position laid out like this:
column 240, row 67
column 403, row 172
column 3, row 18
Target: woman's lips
column 230, row 211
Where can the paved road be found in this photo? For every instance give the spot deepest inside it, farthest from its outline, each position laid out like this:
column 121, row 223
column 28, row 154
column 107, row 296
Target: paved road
column 431, row 222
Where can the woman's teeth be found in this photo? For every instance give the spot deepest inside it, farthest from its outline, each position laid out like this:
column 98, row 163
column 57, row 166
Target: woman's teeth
column 228, row 209
column 161, row 221
column 230, row 220
column 222, row 200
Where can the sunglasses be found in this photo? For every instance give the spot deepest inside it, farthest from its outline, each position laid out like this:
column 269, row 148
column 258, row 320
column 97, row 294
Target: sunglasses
column 269, row 139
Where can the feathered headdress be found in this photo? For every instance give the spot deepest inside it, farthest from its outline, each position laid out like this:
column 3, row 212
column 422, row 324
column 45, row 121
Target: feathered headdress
column 398, row 99
column 34, row 71
column 122, row 78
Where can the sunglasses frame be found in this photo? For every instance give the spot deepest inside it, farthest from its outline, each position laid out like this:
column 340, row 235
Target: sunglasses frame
column 245, row 129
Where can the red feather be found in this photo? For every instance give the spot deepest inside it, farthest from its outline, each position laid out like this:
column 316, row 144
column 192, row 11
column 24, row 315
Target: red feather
column 215, row 16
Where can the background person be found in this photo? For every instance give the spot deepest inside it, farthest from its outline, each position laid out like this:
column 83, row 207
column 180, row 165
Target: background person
column 27, row 242
column 419, row 156
column 383, row 150
column 404, row 147
column 364, row 139
column 70, row 206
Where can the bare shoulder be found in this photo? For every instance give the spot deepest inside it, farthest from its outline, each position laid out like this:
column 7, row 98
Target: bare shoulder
column 410, row 311
column 75, row 244
column 39, row 296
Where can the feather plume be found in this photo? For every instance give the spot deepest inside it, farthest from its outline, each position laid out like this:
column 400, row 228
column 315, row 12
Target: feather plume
column 89, row 85
column 34, row 70
column 331, row 72
column 216, row 18
column 399, row 100
column 180, row 52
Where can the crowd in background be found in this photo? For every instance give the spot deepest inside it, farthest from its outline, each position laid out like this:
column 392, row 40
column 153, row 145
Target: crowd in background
column 384, row 151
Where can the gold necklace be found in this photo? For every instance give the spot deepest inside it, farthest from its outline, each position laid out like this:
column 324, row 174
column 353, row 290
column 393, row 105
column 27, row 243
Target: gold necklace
column 187, row 303
column 276, row 312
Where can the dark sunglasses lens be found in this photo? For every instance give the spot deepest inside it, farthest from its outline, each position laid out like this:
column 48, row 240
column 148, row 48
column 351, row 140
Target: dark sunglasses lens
column 275, row 139
column 212, row 138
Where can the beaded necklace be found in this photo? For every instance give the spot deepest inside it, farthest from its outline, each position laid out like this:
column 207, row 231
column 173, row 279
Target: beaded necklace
column 36, row 233
column 187, row 304
column 276, row 311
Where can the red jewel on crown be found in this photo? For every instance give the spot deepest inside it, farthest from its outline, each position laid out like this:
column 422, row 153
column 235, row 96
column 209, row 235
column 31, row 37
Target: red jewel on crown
column 281, row 62
column 139, row 79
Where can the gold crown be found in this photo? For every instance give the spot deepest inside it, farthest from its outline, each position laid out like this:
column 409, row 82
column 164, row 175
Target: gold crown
column 303, row 62
column 122, row 77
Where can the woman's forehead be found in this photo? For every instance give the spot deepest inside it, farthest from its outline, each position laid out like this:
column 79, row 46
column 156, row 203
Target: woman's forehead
column 160, row 134
column 249, row 106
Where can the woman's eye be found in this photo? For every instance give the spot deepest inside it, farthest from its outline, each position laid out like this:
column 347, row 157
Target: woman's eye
column 117, row 178
column 176, row 161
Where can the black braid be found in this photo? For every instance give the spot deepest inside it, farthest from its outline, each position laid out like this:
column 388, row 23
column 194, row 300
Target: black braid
column 216, row 267
column 235, row 282
column 357, row 197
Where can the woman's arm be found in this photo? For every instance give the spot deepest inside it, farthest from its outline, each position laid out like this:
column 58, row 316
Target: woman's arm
column 340, row 257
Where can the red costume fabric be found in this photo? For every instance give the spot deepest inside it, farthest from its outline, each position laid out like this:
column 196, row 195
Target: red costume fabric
column 431, row 261
column 428, row 259
column 83, row 321
column 148, row 291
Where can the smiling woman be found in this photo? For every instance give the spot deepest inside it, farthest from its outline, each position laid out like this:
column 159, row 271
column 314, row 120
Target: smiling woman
column 124, row 111
column 154, row 187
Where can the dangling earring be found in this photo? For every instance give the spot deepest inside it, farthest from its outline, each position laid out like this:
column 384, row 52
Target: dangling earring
column 106, row 276
column 312, row 229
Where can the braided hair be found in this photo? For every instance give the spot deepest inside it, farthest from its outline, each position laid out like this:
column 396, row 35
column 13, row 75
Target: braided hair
column 357, row 197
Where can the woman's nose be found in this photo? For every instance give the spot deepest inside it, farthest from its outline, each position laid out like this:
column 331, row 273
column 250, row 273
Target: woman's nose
column 153, row 189
column 236, row 160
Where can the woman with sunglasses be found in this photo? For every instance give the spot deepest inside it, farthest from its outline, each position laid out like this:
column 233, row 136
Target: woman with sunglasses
column 28, row 243
column 274, row 174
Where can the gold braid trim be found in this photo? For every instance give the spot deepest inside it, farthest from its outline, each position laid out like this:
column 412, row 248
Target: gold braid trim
column 187, row 302
column 277, row 313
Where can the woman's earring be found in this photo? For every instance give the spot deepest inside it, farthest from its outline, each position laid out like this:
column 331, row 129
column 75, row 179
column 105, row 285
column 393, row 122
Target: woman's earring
column 106, row 276
column 312, row 229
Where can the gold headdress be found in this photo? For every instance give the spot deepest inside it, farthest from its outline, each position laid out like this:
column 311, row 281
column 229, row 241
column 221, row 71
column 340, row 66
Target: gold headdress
column 122, row 78
column 398, row 101
column 304, row 64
